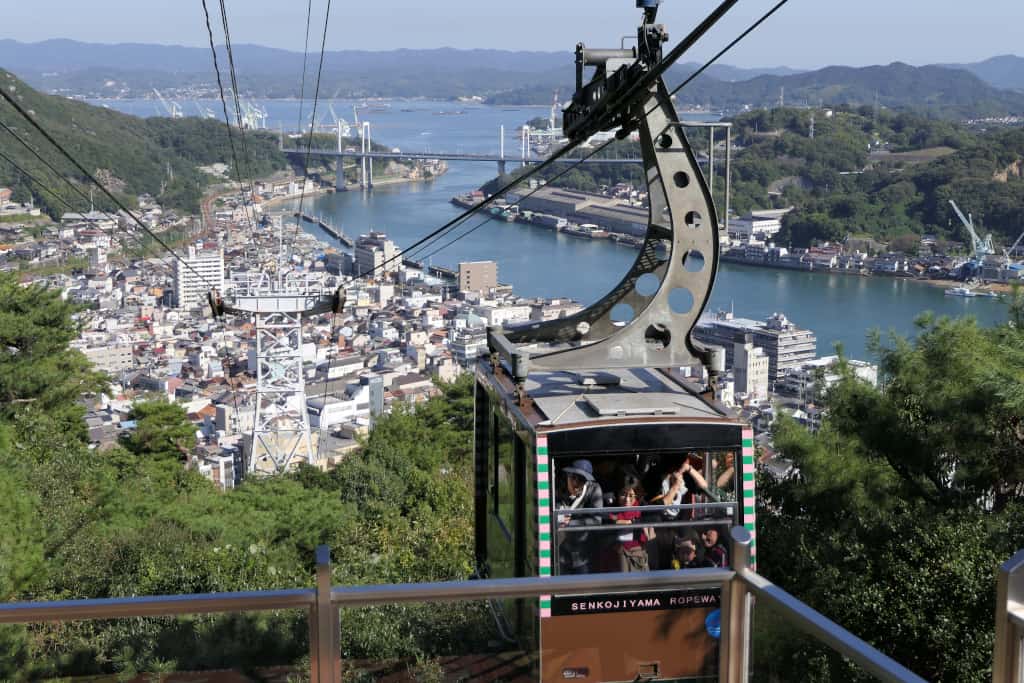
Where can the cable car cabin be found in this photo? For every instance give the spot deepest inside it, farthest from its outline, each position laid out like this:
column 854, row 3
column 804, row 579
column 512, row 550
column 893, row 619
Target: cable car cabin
column 628, row 470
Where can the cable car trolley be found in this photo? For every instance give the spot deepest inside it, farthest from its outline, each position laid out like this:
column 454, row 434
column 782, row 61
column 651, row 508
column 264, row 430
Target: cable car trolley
column 599, row 443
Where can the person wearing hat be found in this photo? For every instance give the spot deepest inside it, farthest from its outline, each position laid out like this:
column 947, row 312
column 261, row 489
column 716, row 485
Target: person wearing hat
column 581, row 492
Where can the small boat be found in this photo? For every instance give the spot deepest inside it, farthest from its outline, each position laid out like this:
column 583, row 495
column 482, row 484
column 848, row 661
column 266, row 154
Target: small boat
column 965, row 292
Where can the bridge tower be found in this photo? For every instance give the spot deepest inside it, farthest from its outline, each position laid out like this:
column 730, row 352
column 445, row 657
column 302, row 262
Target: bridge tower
column 501, row 150
column 366, row 179
column 280, row 436
column 339, row 178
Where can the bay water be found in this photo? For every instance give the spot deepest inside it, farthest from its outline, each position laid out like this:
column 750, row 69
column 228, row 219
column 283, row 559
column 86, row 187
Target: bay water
column 538, row 262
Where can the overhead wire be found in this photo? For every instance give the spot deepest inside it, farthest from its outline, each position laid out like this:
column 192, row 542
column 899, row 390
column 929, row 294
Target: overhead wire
column 576, row 163
column 411, row 251
column 309, row 139
column 66, row 180
column 238, row 109
column 227, row 120
column 686, row 43
column 305, row 59
column 92, row 178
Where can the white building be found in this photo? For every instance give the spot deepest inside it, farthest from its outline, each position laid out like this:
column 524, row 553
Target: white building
column 373, row 251
column 110, row 358
column 750, row 370
column 192, row 282
column 501, row 315
column 822, row 373
column 753, row 227
column 327, row 413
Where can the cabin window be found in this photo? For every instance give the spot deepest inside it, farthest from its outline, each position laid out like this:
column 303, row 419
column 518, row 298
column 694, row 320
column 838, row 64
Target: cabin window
column 503, row 483
column 644, row 512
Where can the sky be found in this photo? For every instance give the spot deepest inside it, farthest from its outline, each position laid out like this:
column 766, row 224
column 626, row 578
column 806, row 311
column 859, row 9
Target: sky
column 803, row 34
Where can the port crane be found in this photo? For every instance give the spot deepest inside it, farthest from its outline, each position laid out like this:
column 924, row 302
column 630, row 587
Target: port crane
column 341, row 126
column 979, row 247
column 1008, row 252
column 172, row 108
column 253, row 116
column 204, row 112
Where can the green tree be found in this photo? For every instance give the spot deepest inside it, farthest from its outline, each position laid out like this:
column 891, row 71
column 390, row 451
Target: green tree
column 162, row 429
column 904, row 503
column 39, row 374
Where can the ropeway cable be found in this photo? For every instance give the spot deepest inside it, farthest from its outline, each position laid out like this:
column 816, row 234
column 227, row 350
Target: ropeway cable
column 305, row 59
column 453, row 223
column 46, row 188
column 309, row 138
column 526, row 196
column 227, row 122
column 117, row 202
column 686, row 43
column 64, row 178
column 238, row 107
column 578, row 162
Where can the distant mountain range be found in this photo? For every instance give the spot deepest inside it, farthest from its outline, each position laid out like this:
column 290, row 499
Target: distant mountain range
column 1005, row 71
column 131, row 70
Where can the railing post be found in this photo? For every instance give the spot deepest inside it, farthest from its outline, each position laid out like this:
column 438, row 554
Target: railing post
column 324, row 631
column 734, row 642
column 1006, row 657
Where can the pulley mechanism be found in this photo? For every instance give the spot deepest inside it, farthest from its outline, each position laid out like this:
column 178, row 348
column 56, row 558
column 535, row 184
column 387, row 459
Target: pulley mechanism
column 648, row 318
column 216, row 302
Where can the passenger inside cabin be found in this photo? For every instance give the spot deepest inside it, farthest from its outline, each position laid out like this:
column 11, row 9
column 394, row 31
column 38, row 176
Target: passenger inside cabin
column 629, row 551
column 581, row 492
column 715, row 554
column 679, row 479
column 685, row 555
column 725, row 479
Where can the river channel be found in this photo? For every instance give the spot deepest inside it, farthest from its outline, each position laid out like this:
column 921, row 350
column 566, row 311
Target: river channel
column 538, row 262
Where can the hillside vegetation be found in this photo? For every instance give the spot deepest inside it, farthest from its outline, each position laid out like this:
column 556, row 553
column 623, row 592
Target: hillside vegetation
column 79, row 523
column 132, row 156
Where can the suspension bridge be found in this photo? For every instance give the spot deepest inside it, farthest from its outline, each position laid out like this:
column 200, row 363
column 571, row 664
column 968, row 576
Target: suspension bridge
column 365, row 154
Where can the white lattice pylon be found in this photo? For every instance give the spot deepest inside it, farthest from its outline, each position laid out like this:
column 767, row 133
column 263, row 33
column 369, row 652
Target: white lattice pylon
column 280, row 435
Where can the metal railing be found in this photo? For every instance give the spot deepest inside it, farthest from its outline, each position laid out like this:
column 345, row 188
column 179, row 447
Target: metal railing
column 1008, row 655
column 322, row 604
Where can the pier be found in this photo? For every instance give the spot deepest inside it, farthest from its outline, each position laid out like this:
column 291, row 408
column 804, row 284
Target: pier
column 326, row 227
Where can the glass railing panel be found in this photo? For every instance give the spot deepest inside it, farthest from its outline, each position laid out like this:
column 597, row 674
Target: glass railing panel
column 782, row 652
column 441, row 641
column 248, row 646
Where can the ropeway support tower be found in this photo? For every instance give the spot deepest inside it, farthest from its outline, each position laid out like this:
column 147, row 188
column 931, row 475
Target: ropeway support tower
column 276, row 299
column 280, row 436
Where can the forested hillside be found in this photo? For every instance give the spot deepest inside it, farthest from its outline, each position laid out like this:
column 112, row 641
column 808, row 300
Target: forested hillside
column 131, row 156
column 134, row 521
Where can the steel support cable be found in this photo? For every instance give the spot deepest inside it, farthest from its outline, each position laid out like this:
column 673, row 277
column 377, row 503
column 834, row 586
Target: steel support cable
column 624, row 100
column 675, row 90
column 462, row 217
column 309, row 139
column 750, row 29
column 569, row 167
column 46, row 188
column 238, row 108
column 227, row 118
column 412, row 250
column 305, row 58
column 77, row 190
column 327, row 378
column 103, row 188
